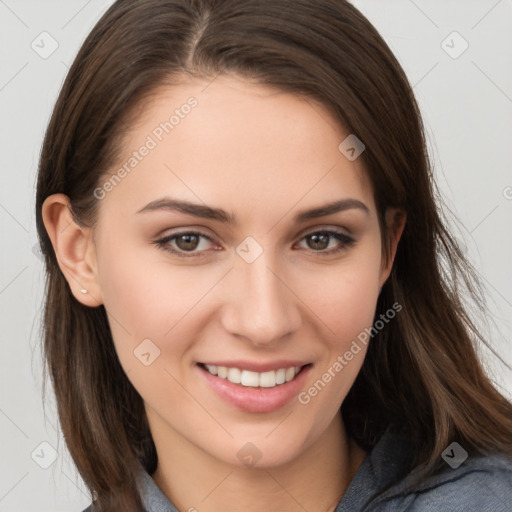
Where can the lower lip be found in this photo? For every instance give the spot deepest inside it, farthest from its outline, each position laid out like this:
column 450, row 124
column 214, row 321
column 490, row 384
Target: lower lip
column 259, row 399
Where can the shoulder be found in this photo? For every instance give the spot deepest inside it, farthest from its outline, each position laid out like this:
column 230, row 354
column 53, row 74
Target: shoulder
column 482, row 483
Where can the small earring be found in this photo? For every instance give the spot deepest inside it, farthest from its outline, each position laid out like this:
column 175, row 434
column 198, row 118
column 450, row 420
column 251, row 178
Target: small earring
column 83, row 291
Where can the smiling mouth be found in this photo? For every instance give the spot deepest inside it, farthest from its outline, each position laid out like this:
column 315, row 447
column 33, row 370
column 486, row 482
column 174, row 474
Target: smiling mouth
column 270, row 379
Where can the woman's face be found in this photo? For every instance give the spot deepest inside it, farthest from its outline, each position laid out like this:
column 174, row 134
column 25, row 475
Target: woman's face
column 244, row 272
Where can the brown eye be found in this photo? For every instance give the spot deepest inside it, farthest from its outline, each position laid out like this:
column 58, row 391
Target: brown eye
column 319, row 241
column 187, row 242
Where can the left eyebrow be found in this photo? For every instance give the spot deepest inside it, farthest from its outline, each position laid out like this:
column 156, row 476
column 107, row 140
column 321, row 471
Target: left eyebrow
column 207, row 212
column 329, row 209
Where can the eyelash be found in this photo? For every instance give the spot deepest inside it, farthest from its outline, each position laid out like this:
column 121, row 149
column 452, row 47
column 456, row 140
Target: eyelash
column 346, row 240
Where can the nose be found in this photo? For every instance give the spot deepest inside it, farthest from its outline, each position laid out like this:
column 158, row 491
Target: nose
column 262, row 306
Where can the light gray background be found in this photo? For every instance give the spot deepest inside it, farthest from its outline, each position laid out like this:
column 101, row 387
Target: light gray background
column 467, row 107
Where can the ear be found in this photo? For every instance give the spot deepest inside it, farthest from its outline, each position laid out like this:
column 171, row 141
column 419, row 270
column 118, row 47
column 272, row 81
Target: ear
column 395, row 222
column 74, row 248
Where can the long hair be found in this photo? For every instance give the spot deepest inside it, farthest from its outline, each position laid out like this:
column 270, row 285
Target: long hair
column 421, row 371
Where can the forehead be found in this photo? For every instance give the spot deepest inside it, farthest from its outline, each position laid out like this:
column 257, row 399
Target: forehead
column 230, row 138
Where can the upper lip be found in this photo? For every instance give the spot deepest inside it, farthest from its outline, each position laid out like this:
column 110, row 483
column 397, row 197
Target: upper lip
column 257, row 366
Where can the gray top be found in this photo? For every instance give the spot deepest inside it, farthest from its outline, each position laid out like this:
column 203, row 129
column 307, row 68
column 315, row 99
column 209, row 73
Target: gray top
column 466, row 484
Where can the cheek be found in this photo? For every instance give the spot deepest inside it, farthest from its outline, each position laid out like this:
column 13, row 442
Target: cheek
column 153, row 300
column 347, row 308
column 147, row 308
column 142, row 301
column 355, row 308
column 344, row 301
column 142, row 291
column 344, row 296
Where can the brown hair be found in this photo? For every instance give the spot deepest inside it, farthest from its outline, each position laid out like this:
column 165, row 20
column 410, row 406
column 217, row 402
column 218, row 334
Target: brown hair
column 421, row 372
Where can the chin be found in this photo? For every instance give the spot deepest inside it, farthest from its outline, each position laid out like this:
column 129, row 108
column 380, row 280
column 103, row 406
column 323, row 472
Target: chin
column 264, row 452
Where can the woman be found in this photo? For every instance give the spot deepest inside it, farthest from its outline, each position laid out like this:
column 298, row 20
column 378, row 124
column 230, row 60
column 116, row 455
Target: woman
column 253, row 301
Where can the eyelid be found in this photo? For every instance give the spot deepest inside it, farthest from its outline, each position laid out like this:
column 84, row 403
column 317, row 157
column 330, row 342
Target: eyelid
column 317, row 228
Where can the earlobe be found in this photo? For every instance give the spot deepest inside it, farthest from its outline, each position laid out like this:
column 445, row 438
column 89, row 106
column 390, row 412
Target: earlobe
column 74, row 249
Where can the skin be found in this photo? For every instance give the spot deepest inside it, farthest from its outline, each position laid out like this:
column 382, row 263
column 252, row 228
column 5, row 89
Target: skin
column 264, row 156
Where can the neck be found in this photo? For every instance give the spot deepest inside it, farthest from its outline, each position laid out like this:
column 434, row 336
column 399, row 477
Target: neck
column 316, row 479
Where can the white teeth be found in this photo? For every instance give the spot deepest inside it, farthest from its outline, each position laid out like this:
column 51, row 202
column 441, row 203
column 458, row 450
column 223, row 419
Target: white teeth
column 290, row 373
column 254, row 379
column 234, row 375
column 281, row 376
column 249, row 379
column 211, row 368
column 268, row 379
